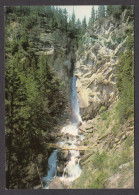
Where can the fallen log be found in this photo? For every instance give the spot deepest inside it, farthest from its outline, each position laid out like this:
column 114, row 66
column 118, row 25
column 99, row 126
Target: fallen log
column 56, row 146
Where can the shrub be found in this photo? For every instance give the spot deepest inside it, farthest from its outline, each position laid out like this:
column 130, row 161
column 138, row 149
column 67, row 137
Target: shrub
column 102, row 109
column 125, row 80
column 129, row 141
column 100, row 160
column 99, row 181
column 104, row 115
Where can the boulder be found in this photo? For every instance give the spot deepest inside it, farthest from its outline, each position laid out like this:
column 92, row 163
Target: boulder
column 82, row 127
column 63, row 155
column 51, row 137
column 56, row 184
column 60, row 169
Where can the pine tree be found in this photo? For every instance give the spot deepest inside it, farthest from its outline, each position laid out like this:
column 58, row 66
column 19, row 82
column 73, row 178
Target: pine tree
column 84, row 25
column 92, row 18
column 114, row 10
column 15, row 116
column 65, row 13
column 101, row 11
column 73, row 19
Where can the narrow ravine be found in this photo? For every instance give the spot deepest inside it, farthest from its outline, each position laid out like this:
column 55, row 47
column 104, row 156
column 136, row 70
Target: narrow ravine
column 72, row 168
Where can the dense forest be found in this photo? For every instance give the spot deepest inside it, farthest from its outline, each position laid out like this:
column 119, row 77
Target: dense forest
column 34, row 96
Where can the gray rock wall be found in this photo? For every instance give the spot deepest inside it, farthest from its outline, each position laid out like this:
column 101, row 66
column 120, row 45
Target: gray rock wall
column 95, row 67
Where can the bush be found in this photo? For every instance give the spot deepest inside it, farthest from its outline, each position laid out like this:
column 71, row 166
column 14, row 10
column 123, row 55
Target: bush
column 104, row 115
column 100, row 160
column 129, row 141
column 125, row 79
column 14, row 47
column 102, row 109
column 99, row 181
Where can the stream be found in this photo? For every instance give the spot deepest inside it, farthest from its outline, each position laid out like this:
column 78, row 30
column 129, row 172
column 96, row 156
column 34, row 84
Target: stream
column 72, row 168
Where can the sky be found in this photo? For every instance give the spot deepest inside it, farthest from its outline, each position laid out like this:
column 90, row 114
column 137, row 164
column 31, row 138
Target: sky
column 80, row 11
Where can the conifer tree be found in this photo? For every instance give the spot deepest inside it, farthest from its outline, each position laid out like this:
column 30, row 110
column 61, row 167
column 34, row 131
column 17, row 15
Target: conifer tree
column 101, row 11
column 92, row 18
column 84, row 25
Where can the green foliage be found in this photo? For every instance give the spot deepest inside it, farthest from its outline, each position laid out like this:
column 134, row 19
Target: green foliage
column 114, row 10
column 100, row 160
column 14, row 47
column 34, row 97
column 92, row 18
column 85, row 143
column 119, row 159
column 104, row 115
column 117, row 10
column 125, row 79
column 102, row 109
column 115, row 129
column 99, row 181
column 101, row 11
column 129, row 141
column 29, row 21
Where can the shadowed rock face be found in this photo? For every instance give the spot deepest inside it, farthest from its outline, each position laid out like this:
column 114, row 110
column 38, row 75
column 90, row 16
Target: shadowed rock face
column 58, row 48
column 56, row 184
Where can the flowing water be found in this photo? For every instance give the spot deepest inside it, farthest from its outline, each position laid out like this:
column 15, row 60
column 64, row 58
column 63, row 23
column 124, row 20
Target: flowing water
column 72, row 168
column 52, row 168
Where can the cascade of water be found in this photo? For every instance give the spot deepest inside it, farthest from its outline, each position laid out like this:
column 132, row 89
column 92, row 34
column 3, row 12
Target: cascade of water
column 75, row 105
column 72, row 169
column 52, row 171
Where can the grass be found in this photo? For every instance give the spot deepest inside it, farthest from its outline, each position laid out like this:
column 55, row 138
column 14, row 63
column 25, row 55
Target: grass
column 99, row 181
column 115, row 129
column 129, row 141
column 102, row 109
column 100, row 160
column 104, row 115
column 102, row 165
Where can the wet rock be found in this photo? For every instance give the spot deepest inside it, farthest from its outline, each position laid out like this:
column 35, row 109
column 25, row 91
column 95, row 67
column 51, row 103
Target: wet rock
column 117, row 140
column 89, row 126
column 82, row 152
column 63, row 155
column 38, row 187
column 59, row 134
column 60, row 169
column 56, row 184
column 69, row 144
column 82, row 127
column 79, row 124
column 51, row 136
column 124, row 137
column 68, row 136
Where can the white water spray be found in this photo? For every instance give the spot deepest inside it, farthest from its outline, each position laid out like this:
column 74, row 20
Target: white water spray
column 75, row 105
column 52, row 171
column 72, row 169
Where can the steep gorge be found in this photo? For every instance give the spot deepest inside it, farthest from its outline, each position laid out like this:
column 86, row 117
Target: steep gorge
column 109, row 160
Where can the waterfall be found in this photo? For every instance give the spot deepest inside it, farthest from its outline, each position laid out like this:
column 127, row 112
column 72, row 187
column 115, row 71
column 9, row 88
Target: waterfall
column 52, row 171
column 72, row 168
column 75, row 105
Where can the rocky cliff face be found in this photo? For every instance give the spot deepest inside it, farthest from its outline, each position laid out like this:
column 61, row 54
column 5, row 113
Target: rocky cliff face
column 109, row 160
column 58, row 48
column 96, row 61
